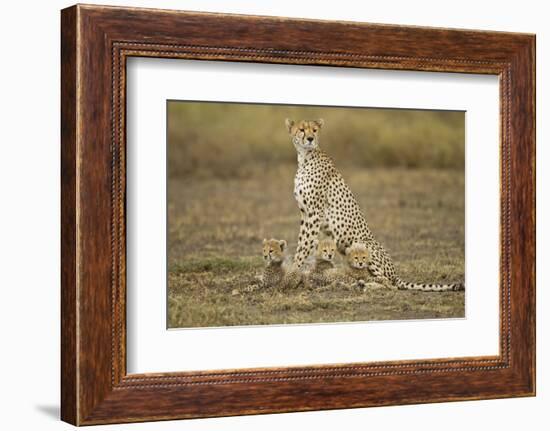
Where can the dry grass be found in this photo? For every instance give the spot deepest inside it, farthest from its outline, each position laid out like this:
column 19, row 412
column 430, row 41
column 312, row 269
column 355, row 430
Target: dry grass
column 216, row 226
column 231, row 170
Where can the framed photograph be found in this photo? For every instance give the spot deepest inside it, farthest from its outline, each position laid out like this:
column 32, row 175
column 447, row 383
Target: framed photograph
column 263, row 214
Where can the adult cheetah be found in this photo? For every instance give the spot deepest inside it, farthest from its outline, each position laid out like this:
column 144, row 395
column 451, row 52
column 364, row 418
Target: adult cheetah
column 326, row 203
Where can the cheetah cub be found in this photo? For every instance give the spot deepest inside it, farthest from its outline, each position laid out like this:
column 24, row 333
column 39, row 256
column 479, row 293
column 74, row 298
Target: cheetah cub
column 357, row 271
column 273, row 253
column 322, row 272
column 275, row 274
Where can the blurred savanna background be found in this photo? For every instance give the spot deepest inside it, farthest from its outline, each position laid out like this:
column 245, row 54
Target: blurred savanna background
column 230, row 184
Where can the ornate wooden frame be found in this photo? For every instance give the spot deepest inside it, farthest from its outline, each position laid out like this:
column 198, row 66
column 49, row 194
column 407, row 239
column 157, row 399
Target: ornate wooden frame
column 95, row 43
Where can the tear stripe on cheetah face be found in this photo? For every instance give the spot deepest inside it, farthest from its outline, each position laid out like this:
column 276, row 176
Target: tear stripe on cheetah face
column 305, row 133
column 358, row 256
column 325, row 250
column 273, row 251
column 326, row 202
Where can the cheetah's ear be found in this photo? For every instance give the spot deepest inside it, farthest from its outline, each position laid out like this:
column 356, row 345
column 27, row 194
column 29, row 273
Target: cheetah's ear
column 289, row 123
column 283, row 244
column 264, row 241
column 320, row 122
column 348, row 249
column 315, row 243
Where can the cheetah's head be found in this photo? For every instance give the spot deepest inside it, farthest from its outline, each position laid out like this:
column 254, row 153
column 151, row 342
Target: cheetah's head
column 357, row 255
column 273, row 250
column 304, row 133
column 326, row 249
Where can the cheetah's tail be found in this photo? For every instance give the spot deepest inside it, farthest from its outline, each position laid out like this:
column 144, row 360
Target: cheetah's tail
column 403, row 285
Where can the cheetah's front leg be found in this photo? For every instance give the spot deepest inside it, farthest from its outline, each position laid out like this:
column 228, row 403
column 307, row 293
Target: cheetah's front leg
column 309, row 231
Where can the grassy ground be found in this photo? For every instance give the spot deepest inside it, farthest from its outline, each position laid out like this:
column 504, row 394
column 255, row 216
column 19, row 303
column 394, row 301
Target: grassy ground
column 216, row 227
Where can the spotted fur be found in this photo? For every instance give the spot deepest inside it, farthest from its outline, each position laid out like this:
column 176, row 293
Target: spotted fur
column 357, row 270
column 326, row 203
column 323, row 271
column 275, row 275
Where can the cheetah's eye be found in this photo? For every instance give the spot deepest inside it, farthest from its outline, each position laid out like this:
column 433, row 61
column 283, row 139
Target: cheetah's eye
column 301, row 130
column 314, row 130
